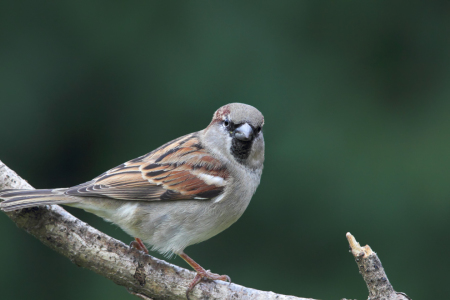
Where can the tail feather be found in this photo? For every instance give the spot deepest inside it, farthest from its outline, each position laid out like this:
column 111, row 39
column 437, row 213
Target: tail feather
column 18, row 199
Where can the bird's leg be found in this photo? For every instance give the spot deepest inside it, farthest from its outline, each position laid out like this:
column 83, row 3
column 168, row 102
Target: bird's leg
column 138, row 244
column 201, row 273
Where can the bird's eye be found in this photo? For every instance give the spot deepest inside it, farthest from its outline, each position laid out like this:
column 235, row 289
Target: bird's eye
column 258, row 129
column 226, row 123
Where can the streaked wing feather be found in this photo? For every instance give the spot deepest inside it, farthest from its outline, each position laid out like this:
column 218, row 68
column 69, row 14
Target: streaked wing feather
column 175, row 171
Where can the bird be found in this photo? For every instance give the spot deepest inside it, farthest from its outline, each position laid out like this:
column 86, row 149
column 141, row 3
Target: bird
column 180, row 194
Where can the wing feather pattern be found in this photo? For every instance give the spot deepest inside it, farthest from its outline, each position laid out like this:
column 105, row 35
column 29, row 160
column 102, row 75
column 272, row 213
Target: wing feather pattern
column 179, row 170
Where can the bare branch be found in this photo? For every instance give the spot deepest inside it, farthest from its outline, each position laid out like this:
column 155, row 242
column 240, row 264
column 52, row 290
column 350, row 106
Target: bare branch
column 143, row 275
column 148, row 277
column 373, row 272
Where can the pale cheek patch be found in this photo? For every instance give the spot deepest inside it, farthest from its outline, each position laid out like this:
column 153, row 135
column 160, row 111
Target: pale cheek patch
column 209, row 179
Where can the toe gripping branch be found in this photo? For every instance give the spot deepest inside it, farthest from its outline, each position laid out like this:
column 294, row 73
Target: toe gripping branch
column 138, row 244
column 202, row 274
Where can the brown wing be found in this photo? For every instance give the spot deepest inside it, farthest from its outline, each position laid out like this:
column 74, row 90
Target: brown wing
column 179, row 170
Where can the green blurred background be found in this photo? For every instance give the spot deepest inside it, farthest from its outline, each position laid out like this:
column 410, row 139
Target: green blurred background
column 356, row 101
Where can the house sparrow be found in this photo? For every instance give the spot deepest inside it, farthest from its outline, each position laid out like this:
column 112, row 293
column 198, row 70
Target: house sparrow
column 180, row 194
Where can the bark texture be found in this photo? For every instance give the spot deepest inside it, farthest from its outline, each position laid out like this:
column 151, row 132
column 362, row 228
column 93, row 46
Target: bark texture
column 373, row 273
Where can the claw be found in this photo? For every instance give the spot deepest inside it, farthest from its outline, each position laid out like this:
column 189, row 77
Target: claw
column 138, row 244
column 202, row 274
column 194, row 282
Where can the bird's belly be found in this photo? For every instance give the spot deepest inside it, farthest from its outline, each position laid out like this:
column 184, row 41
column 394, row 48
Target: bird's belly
column 167, row 226
column 171, row 228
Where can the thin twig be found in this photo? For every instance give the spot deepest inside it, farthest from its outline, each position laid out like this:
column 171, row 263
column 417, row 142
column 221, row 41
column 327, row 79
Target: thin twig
column 373, row 272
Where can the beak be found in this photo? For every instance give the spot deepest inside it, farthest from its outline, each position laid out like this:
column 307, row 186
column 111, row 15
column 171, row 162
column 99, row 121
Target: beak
column 244, row 132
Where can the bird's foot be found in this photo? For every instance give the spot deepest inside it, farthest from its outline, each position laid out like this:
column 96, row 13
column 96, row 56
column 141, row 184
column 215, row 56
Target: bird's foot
column 205, row 275
column 202, row 274
column 138, row 244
